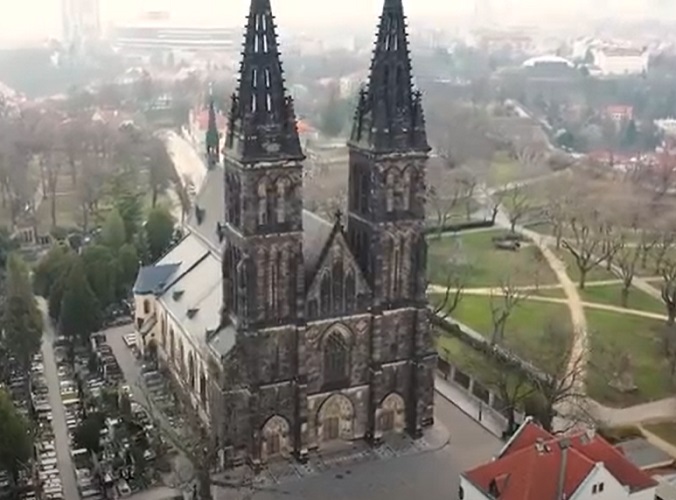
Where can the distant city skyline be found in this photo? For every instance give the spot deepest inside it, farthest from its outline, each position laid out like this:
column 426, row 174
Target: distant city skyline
column 21, row 21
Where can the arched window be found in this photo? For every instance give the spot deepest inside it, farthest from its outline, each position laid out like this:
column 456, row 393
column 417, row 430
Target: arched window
column 390, row 182
column 337, row 277
column 262, row 202
column 172, row 344
column 163, row 334
column 282, row 199
column 191, row 371
column 407, row 190
column 275, row 281
column 203, row 389
column 181, row 361
column 335, row 358
column 325, row 294
column 350, row 292
column 241, row 298
column 364, row 192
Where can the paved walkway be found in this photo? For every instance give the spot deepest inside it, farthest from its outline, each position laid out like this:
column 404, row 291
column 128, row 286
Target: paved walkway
column 470, row 406
column 61, row 437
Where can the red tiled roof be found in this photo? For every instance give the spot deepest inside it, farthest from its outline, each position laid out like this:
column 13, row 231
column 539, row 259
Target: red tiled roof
column 530, row 466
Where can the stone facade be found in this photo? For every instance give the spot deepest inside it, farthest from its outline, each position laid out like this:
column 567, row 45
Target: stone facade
column 333, row 342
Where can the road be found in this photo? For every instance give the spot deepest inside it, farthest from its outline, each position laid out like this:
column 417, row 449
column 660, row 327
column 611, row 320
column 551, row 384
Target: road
column 63, row 457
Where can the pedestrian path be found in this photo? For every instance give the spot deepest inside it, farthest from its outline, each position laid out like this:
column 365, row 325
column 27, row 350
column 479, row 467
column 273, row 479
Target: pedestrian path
column 62, row 444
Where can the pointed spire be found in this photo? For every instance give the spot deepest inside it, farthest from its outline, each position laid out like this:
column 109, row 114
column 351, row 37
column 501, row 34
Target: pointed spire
column 389, row 115
column 262, row 118
column 213, row 137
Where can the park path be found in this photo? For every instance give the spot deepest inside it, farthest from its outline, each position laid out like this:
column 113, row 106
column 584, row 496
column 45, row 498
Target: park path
column 557, row 300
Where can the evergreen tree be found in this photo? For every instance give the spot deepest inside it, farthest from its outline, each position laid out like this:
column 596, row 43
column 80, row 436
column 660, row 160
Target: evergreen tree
column 113, row 233
column 15, row 438
column 128, row 264
column 80, row 313
column 21, row 320
column 159, row 231
column 630, row 135
column 101, row 270
column 50, row 268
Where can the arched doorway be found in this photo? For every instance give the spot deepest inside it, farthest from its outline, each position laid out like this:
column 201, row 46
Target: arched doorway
column 275, row 438
column 391, row 414
column 335, row 419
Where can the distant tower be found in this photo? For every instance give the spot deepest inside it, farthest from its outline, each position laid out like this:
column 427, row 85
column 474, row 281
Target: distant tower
column 213, row 137
column 483, row 13
column 81, row 22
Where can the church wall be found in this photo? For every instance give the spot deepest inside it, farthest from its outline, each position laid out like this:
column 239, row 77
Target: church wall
column 357, row 329
column 269, row 355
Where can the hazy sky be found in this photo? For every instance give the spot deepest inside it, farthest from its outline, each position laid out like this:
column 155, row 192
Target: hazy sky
column 42, row 18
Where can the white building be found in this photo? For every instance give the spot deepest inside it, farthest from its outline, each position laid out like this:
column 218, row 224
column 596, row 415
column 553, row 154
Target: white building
column 535, row 465
column 613, row 61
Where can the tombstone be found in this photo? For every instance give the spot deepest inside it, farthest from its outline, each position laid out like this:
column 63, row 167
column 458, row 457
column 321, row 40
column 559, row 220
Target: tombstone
column 623, row 378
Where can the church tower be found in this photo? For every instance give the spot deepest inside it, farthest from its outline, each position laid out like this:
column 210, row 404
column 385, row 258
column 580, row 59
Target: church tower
column 262, row 265
column 213, row 139
column 388, row 152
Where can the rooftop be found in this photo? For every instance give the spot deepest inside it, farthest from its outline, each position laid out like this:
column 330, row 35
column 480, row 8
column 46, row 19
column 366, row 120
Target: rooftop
column 525, row 467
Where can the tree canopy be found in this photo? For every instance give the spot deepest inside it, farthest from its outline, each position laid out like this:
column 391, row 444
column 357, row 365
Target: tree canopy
column 15, row 438
column 21, row 320
column 80, row 313
column 159, row 231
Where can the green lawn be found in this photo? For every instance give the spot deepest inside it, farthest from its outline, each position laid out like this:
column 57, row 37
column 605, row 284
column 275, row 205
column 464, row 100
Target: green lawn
column 665, row 430
column 555, row 293
column 68, row 213
column 610, row 294
column 615, row 334
column 525, row 328
column 483, row 264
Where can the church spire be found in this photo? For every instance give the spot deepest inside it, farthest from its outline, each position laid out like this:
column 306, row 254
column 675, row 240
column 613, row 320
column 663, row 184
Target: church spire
column 213, row 137
column 262, row 122
column 389, row 115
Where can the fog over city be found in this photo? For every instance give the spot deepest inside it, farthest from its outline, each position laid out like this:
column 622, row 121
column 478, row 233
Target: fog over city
column 37, row 19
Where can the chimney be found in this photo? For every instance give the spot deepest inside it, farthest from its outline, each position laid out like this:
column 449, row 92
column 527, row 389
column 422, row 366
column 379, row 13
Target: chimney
column 564, row 444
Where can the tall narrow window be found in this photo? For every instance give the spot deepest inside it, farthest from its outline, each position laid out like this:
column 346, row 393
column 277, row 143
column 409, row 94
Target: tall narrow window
column 268, row 103
column 257, row 42
column 337, row 276
column 275, row 277
column 267, row 77
column 262, row 203
column 396, row 262
column 282, row 199
column 364, row 192
column 265, row 43
column 254, row 78
column 335, row 358
column 350, row 292
column 407, row 190
column 325, row 294
column 390, row 182
column 254, row 103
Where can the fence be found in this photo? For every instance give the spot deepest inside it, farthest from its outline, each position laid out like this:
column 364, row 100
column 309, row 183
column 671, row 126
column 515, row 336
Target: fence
column 476, row 399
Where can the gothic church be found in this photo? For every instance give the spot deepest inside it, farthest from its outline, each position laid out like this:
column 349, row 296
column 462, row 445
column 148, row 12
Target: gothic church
column 291, row 333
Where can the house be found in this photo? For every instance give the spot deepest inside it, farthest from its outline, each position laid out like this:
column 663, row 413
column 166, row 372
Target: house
column 535, row 465
column 619, row 113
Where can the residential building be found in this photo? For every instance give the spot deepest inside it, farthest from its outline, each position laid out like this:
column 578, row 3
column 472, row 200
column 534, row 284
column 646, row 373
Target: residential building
column 620, row 113
column 535, row 465
column 291, row 333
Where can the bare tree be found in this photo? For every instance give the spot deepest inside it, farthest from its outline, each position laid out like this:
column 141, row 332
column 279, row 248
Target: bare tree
column 668, row 272
column 503, row 304
column 627, row 258
column 592, row 240
column 563, row 391
column 519, row 205
column 455, row 284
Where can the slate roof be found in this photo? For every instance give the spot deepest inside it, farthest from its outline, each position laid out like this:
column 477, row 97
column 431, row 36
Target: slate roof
column 316, row 233
column 644, row 455
column 151, row 279
column 194, row 301
column 530, row 465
